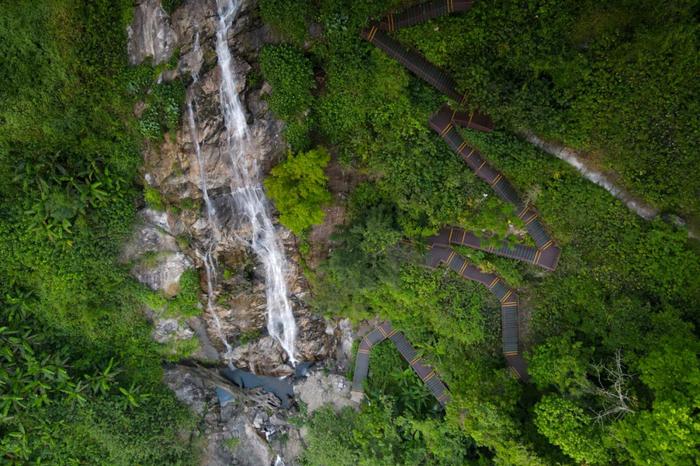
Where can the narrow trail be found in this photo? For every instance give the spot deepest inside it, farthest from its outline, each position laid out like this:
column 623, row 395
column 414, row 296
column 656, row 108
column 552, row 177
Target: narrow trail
column 445, row 122
column 377, row 335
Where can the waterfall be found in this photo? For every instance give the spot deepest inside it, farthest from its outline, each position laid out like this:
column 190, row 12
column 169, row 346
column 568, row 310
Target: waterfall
column 206, row 256
column 247, row 192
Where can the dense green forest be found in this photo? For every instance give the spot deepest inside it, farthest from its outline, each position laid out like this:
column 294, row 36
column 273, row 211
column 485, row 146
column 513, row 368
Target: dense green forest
column 612, row 343
column 80, row 378
column 612, row 340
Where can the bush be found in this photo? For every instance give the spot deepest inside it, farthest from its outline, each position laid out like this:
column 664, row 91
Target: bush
column 567, row 426
column 291, row 76
column 297, row 186
column 288, row 17
column 80, row 378
column 297, row 134
column 153, row 198
column 163, row 110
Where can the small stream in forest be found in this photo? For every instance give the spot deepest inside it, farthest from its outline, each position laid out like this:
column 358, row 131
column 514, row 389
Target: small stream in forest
column 634, row 204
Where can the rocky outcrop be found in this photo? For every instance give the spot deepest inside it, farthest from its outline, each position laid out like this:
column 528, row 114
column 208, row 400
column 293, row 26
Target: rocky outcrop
column 174, row 170
column 162, row 271
column 321, row 389
column 155, row 255
column 240, row 426
column 167, row 330
column 150, row 34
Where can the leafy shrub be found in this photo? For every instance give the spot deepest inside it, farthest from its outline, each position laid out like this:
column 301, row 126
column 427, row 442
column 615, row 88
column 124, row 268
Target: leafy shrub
column 289, row 17
column 163, row 109
column 298, row 188
column 186, row 302
column 291, row 76
column 297, row 134
column 171, row 5
column 567, row 426
column 153, row 198
column 81, row 379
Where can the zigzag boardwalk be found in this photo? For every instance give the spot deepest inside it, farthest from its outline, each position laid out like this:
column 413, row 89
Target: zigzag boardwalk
column 414, row 62
column 424, row 371
column 545, row 258
column 423, row 12
column 507, row 296
column 445, row 122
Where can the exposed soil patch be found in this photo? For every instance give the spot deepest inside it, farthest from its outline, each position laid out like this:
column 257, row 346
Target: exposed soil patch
column 342, row 181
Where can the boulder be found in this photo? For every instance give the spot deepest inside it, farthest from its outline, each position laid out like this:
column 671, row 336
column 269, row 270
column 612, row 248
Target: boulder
column 249, row 449
column 321, row 389
column 150, row 34
column 262, row 356
column 162, row 271
column 189, row 387
column 167, row 330
column 152, row 235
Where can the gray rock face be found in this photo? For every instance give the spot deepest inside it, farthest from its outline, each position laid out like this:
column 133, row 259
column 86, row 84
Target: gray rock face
column 250, row 449
column 162, row 271
column 263, row 356
column 166, row 330
column 158, row 261
column 148, row 239
column 240, row 427
column 189, row 387
column 344, row 351
column 320, row 390
column 150, row 34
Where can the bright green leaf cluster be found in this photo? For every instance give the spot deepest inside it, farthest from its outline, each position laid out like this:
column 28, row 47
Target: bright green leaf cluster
column 297, row 186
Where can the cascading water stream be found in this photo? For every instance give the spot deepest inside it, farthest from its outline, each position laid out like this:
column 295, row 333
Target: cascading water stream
column 247, row 192
column 207, row 256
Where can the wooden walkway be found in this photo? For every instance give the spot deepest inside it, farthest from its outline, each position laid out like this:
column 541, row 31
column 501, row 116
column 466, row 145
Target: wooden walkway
column 506, row 295
column 445, row 122
column 385, row 331
column 423, row 12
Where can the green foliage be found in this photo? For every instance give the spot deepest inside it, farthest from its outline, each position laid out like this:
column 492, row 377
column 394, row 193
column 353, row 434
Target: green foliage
column 153, row 198
column 297, row 133
column 232, row 443
column 171, row 5
column 186, row 302
column 56, row 410
column 668, row 434
column 566, row 426
column 378, row 436
column 80, row 380
column 612, row 79
column 560, row 363
column 163, row 110
column 297, row 186
column 177, row 350
column 616, row 79
column 288, row 16
column 290, row 74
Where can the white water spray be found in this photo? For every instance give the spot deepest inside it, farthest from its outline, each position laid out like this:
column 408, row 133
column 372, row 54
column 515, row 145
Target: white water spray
column 247, row 191
column 206, row 256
